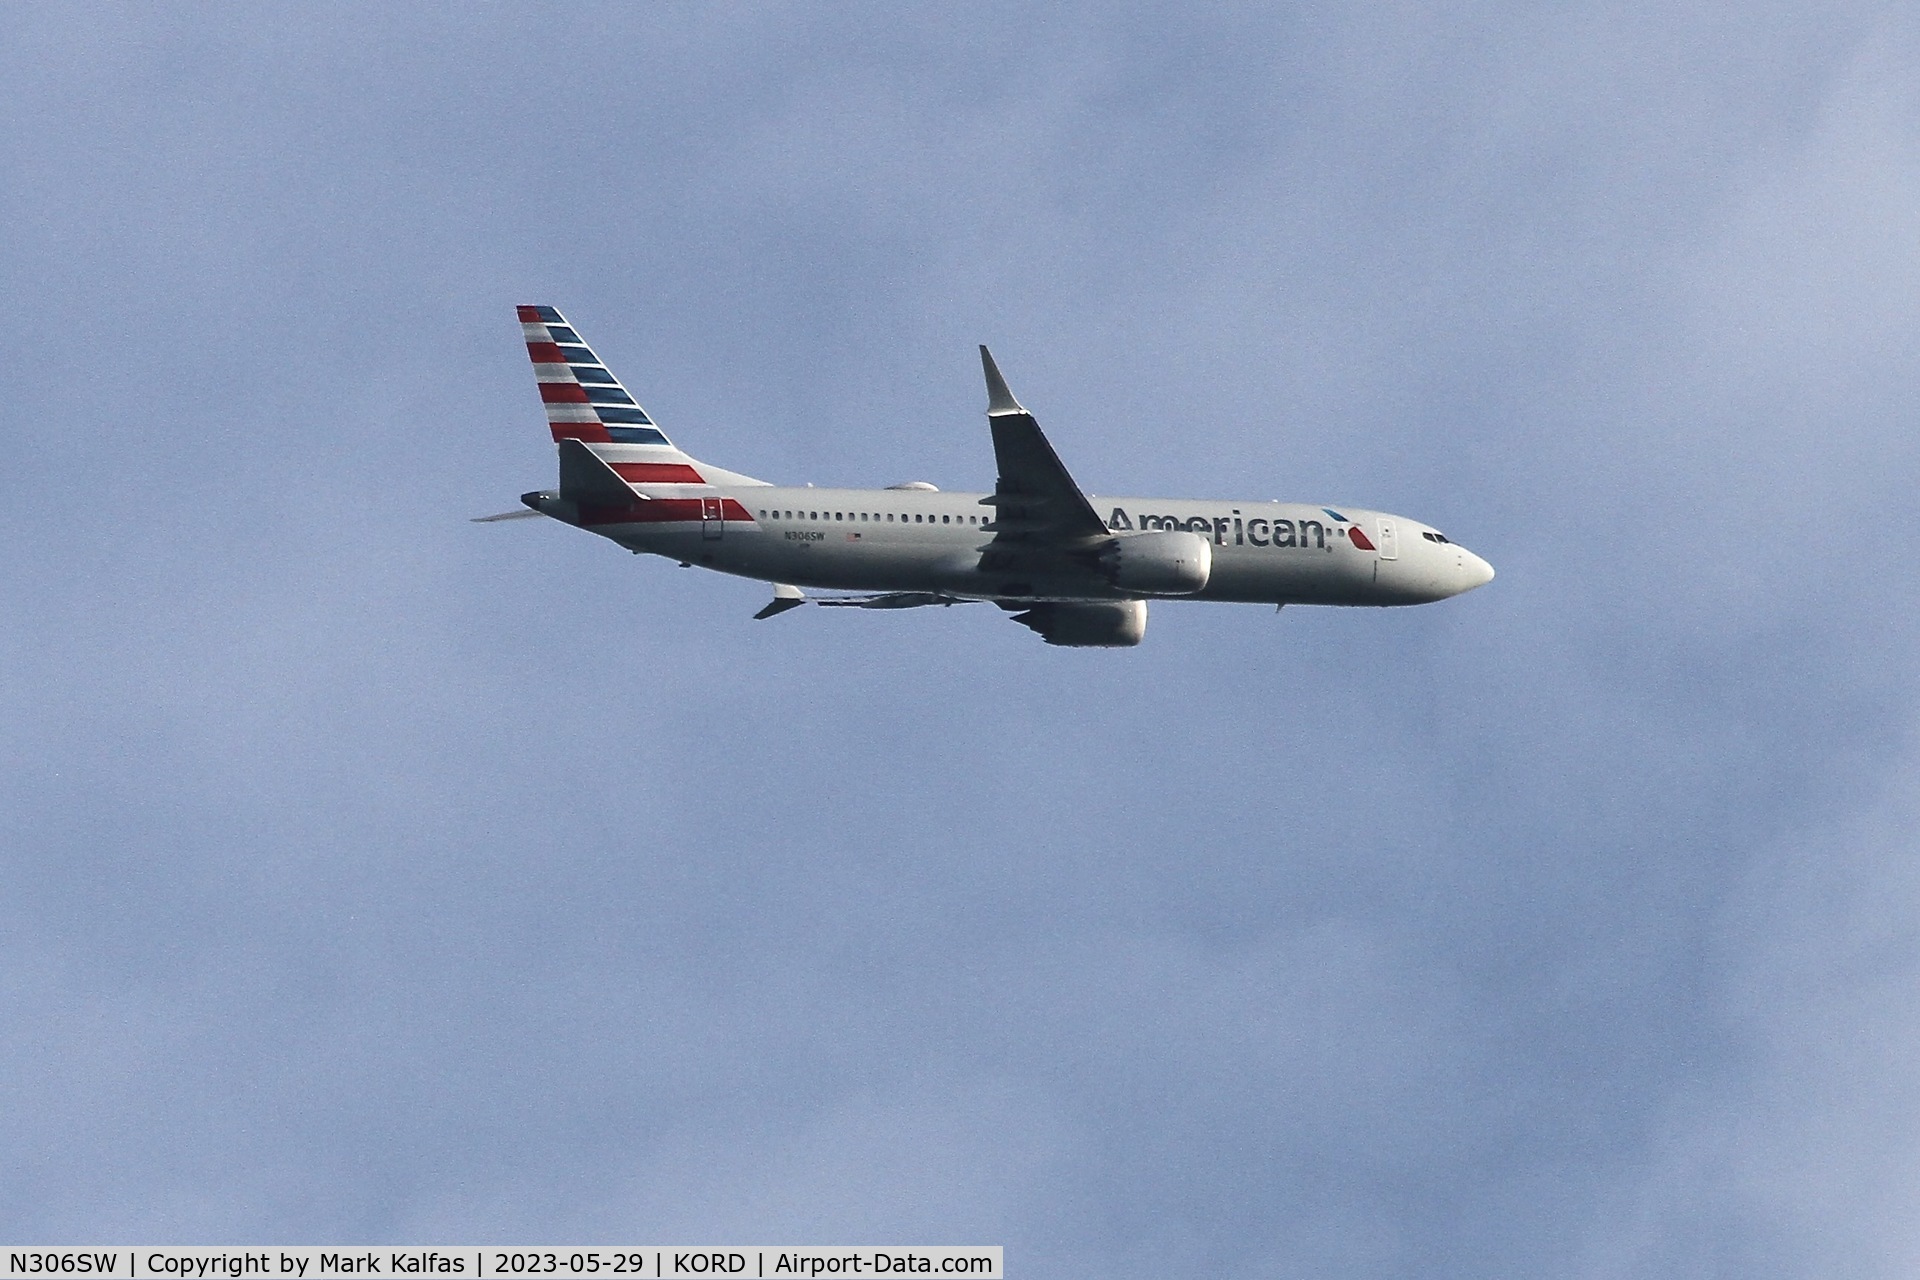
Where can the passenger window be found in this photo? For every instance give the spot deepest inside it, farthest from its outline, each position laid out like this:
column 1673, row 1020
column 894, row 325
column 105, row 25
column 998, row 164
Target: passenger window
column 946, row 519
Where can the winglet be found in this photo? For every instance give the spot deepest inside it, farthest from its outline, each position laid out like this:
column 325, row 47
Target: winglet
column 999, row 399
column 784, row 598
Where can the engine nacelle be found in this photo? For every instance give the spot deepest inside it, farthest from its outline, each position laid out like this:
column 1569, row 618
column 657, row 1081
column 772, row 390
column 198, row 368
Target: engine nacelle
column 1166, row 563
column 1105, row 624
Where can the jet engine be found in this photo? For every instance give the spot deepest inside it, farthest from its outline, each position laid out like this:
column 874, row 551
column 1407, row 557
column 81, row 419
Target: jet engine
column 1166, row 563
column 1116, row 624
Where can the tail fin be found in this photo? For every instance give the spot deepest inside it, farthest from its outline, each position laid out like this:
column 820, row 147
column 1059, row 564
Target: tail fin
column 584, row 402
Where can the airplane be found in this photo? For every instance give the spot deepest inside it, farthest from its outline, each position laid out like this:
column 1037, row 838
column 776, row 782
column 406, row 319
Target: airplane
column 1076, row 568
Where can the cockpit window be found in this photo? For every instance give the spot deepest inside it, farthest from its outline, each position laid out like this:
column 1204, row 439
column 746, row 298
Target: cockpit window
column 1431, row 536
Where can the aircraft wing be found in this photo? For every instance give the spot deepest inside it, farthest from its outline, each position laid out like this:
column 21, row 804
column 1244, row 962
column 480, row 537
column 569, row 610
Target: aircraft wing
column 893, row 600
column 1040, row 514
column 786, row 596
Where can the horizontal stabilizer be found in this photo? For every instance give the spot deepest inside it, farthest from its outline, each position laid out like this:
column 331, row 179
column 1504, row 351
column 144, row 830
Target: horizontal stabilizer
column 524, row 513
column 587, row 481
column 785, row 597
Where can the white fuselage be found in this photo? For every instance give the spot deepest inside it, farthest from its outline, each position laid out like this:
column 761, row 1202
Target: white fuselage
column 912, row 539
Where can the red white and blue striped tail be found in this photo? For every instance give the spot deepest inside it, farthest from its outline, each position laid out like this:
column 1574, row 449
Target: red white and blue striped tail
column 584, row 401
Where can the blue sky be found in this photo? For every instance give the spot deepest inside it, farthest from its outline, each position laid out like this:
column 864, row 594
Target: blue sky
column 376, row 876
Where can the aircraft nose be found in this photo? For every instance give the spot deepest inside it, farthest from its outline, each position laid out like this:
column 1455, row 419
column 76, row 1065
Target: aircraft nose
column 1476, row 572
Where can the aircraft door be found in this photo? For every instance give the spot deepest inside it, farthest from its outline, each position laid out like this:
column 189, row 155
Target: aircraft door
column 712, row 519
column 1389, row 540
